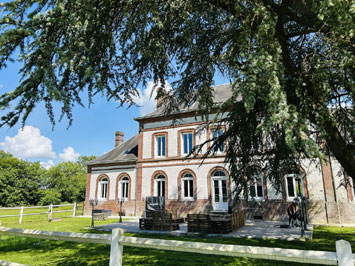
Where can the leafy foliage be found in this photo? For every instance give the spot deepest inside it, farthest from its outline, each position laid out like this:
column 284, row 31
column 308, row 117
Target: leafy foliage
column 20, row 181
column 292, row 62
column 27, row 183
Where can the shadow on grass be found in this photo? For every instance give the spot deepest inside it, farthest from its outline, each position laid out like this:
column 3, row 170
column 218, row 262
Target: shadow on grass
column 46, row 252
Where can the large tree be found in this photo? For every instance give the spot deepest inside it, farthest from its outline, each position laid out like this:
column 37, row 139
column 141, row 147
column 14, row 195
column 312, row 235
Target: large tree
column 292, row 61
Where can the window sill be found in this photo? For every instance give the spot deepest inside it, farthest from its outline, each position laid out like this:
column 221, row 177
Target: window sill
column 187, row 199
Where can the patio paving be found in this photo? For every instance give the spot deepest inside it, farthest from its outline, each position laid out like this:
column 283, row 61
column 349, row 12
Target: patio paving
column 252, row 229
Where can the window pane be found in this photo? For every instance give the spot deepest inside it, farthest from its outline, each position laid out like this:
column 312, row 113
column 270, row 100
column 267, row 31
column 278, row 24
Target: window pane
column 260, row 191
column 190, row 142
column 185, row 143
column 159, row 146
column 252, row 191
column 299, row 187
column 163, row 146
column 216, row 191
column 162, row 188
column 224, row 190
column 186, row 188
column 191, row 188
column 158, row 188
column 290, row 188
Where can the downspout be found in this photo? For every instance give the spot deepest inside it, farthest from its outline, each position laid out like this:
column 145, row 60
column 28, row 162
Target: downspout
column 335, row 192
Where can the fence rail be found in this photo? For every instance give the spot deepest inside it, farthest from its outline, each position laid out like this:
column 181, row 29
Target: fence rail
column 49, row 212
column 343, row 255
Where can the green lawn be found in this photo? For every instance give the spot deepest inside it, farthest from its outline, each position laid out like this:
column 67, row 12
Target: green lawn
column 45, row 252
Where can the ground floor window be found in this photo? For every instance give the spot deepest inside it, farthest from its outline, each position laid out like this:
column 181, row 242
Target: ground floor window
column 188, row 186
column 256, row 188
column 159, row 186
column 294, row 186
column 103, row 186
column 123, row 188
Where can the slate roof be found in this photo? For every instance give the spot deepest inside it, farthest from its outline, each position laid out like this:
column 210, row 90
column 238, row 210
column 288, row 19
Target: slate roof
column 221, row 93
column 126, row 152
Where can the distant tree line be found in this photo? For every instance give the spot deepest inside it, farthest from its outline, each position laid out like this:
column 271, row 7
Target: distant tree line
column 28, row 183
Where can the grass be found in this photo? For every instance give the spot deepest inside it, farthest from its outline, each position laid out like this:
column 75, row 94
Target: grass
column 45, row 252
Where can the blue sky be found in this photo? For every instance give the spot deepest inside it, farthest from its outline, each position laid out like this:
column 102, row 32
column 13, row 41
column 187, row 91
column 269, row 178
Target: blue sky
column 92, row 131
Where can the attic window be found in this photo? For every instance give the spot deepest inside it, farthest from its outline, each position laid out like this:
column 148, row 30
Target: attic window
column 126, row 152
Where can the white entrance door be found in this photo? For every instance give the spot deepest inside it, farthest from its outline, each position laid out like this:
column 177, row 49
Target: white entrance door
column 219, row 194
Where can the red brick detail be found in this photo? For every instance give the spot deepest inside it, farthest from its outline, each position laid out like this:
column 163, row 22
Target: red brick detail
column 328, row 182
column 139, row 181
column 166, row 143
column 87, row 194
column 180, row 132
column 122, row 175
column 97, row 185
column 209, row 178
column 181, row 174
column 155, row 174
column 266, row 196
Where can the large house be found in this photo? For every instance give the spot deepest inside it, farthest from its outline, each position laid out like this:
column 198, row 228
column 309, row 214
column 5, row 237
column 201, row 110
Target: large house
column 153, row 163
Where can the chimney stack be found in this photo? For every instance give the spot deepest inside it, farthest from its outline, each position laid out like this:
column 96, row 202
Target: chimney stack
column 118, row 138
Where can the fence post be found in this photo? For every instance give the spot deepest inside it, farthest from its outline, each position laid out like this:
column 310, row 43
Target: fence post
column 21, row 214
column 50, row 209
column 74, row 209
column 344, row 253
column 116, row 252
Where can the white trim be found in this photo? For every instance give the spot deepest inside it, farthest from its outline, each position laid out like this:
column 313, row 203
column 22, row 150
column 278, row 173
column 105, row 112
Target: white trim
column 101, row 185
column 257, row 198
column 294, row 176
column 183, row 179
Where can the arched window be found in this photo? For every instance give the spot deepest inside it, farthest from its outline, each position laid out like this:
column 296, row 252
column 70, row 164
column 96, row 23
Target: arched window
column 123, row 188
column 256, row 188
column 103, row 187
column 187, row 184
column 294, row 186
column 159, row 186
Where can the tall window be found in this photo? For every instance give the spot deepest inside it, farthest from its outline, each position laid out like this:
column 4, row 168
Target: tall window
column 187, row 186
column 256, row 188
column 103, row 185
column 187, row 142
column 160, row 145
column 123, row 188
column 215, row 134
column 294, row 186
column 159, row 186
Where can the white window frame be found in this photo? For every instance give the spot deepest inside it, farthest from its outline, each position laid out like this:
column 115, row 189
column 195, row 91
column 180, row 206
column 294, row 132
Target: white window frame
column 189, row 144
column 158, row 180
column 124, row 182
column 156, row 148
column 103, row 185
column 189, row 178
column 294, row 185
column 218, row 132
column 257, row 197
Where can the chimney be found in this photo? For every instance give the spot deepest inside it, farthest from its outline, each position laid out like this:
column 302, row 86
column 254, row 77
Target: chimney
column 118, row 138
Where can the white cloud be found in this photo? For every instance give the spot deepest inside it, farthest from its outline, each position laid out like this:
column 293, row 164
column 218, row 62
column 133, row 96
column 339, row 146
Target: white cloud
column 29, row 143
column 47, row 164
column 146, row 100
column 68, row 155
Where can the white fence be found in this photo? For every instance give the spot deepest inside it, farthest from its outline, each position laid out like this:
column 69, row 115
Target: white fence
column 49, row 211
column 343, row 255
